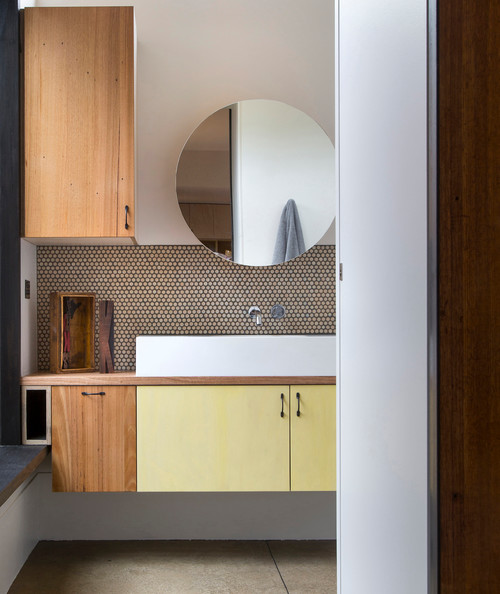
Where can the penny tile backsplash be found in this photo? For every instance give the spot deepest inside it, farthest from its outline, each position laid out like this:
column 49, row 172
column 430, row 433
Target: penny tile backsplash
column 186, row 290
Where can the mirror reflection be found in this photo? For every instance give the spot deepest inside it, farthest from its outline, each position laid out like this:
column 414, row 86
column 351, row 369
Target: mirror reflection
column 256, row 182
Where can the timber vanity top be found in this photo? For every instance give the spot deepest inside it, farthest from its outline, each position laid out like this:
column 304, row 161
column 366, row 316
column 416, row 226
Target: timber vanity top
column 129, row 378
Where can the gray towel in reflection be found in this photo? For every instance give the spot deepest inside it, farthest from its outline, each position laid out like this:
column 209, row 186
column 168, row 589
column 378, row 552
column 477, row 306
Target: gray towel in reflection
column 290, row 241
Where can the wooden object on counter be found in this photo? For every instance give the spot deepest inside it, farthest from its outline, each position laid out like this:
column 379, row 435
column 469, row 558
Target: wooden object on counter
column 79, row 122
column 106, row 336
column 93, row 438
column 72, row 319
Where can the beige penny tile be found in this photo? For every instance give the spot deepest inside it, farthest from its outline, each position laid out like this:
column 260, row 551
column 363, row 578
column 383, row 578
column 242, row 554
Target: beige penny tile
column 186, row 290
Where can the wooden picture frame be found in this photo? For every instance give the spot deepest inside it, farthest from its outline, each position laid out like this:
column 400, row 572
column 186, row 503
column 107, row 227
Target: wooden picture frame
column 72, row 331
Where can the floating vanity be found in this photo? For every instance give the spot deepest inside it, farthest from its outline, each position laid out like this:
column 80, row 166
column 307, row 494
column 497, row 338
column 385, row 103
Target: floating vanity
column 125, row 432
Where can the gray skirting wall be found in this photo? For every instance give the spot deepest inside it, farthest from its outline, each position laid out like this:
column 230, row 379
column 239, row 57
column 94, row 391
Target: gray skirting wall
column 186, row 290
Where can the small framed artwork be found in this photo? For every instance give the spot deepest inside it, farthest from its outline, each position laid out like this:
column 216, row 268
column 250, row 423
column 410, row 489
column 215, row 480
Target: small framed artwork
column 72, row 330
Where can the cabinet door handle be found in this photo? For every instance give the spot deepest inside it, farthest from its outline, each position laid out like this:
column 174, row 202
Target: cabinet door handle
column 298, row 404
column 93, row 393
column 282, row 405
column 126, row 216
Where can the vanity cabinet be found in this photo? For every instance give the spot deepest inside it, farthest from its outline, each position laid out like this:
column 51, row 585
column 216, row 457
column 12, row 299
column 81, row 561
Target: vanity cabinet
column 93, row 438
column 234, row 438
column 212, row 438
column 79, row 123
column 161, row 436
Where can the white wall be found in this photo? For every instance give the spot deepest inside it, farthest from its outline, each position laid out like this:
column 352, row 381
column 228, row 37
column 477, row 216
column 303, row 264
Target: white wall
column 282, row 154
column 195, row 57
column 19, row 530
column 382, row 314
column 28, row 309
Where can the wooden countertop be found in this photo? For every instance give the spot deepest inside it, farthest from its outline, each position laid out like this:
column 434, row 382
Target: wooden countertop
column 129, row 378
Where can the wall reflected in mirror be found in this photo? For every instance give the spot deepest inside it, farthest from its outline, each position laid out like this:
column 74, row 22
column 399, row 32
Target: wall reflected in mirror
column 238, row 170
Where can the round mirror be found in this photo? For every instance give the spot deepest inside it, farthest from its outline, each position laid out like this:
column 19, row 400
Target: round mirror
column 256, row 182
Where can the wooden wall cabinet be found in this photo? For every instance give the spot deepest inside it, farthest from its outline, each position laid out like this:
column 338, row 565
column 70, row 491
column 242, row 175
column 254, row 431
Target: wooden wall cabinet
column 93, row 438
column 233, row 438
column 208, row 221
column 79, row 123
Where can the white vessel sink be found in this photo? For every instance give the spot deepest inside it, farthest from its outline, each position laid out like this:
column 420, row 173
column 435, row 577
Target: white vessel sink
column 190, row 356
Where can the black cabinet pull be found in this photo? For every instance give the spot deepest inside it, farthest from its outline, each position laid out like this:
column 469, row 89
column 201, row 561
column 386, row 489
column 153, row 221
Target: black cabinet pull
column 93, row 393
column 282, row 405
column 298, row 404
column 126, row 216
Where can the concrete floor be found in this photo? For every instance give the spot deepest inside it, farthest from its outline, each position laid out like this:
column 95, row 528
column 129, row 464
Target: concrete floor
column 154, row 567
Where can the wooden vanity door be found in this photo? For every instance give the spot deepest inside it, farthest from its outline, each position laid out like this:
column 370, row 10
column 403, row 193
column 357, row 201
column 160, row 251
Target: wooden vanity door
column 93, row 438
column 313, row 438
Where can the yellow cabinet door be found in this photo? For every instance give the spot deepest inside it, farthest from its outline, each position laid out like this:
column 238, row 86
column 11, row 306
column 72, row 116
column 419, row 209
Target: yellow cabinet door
column 313, row 438
column 212, row 438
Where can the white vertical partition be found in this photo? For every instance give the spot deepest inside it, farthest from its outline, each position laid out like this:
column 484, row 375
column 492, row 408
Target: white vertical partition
column 383, row 315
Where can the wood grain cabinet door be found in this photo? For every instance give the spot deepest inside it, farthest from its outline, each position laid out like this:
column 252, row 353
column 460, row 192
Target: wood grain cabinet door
column 93, row 438
column 313, row 438
column 212, row 438
column 79, row 122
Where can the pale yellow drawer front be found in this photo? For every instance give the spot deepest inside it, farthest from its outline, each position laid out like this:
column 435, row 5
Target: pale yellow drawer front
column 312, row 438
column 212, row 438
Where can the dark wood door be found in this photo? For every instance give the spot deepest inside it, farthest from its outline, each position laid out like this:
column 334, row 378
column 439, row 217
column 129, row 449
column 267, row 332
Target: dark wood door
column 469, row 295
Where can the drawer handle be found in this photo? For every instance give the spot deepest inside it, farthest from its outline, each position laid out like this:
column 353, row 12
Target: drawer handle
column 93, row 393
column 298, row 404
column 126, row 216
column 282, row 405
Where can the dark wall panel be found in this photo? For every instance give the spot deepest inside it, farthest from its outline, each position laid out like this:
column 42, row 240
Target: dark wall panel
column 10, row 426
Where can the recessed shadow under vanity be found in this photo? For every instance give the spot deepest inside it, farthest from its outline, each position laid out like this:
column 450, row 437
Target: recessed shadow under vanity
column 183, row 290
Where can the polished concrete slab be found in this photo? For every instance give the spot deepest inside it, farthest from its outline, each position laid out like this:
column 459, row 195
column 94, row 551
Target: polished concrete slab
column 306, row 566
column 127, row 567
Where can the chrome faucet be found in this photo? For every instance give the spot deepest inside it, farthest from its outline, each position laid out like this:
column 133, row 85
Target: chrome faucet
column 255, row 314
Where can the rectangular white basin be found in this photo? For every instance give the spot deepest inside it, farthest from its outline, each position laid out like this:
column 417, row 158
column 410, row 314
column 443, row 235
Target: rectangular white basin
column 191, row 356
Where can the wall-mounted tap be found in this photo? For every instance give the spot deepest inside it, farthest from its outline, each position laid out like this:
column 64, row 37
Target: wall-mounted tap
column 255, row 314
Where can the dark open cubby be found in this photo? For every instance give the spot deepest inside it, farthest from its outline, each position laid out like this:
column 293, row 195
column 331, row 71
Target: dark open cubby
column 36, row 415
